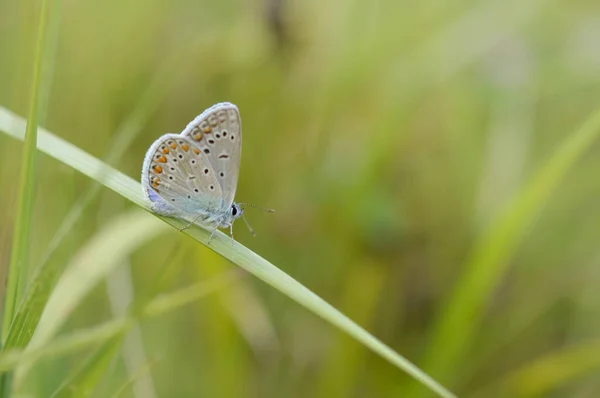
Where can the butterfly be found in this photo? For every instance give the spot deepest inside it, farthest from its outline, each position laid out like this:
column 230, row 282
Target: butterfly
column 193, row 175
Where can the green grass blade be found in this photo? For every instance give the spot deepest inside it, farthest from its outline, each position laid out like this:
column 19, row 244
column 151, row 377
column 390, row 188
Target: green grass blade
column 488, row 260
column 20, row 246
column 238, row 254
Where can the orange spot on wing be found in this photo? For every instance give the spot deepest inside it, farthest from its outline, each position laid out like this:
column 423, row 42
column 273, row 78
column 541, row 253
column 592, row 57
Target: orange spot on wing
column 198, row 137
column 196, row 151
column 165, row 150
column 206, row 130
column 155, row 183
column 157, row 169
column 173, row 145
column 162, row 159
column 185, row 147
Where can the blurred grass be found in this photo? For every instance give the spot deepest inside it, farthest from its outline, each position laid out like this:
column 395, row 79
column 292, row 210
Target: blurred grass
column 105, row 332
column 390, row 136
column 548, row 372
column 489, row 258
column 77, row 280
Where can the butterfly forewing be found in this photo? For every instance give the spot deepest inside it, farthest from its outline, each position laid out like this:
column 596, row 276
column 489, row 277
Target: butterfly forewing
column 179, row 172
column 218, row 134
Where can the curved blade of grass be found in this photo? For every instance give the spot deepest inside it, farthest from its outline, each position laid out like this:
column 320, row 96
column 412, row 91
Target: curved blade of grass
column 488, row 260
column 20, row 245
column 238, row 254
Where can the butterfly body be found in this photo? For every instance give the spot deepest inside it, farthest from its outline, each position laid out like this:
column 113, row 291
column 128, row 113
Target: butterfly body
column 193, row 175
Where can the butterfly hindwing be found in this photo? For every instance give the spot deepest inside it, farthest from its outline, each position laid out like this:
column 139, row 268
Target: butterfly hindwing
column 218, row 134
column 176, row 171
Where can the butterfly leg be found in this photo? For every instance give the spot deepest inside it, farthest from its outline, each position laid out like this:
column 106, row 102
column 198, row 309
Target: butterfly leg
column 190, row 223
column 212, row 234
column 186, row 227
column 231, row 233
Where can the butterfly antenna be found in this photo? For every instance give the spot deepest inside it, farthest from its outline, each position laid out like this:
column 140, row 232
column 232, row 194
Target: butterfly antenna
column 257, row 207
column 248, row 225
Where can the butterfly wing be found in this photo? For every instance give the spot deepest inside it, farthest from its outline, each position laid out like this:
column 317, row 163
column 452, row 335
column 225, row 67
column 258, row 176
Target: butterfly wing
column 218, row 134
column 179, row 180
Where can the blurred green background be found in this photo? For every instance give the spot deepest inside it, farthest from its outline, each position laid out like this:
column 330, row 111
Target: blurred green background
column 388, row 135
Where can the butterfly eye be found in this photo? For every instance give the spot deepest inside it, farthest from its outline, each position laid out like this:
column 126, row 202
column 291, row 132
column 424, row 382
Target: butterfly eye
column 234, row 211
